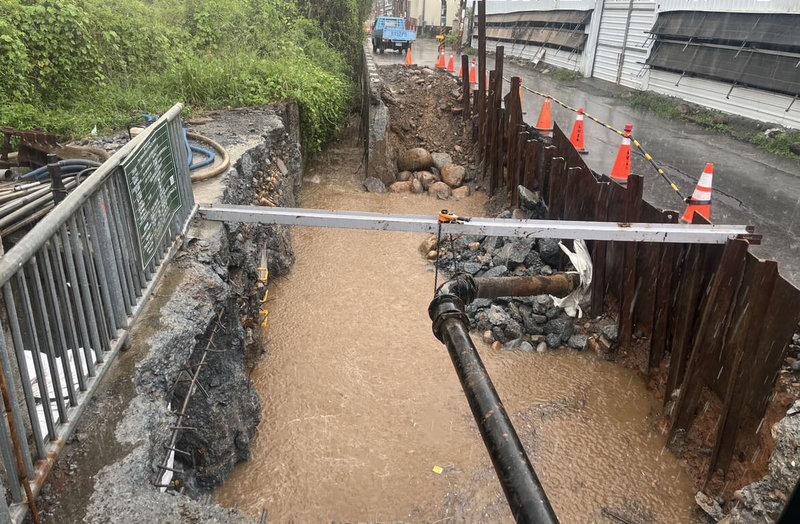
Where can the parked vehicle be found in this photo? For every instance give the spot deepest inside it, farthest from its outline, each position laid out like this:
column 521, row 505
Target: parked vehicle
column 389, row 32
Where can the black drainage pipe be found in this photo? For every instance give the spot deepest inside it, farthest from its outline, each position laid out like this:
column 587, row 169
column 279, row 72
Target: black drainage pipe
column 524, row 492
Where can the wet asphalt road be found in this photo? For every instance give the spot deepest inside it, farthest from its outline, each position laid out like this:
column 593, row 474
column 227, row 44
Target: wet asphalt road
column 751, row 186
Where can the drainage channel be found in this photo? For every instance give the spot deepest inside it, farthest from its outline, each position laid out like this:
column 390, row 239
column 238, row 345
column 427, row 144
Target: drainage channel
column 363, row 418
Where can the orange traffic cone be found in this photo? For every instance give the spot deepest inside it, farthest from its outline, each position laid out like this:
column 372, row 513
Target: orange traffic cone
column 441, row 64
column 622, row 165
column 451, row 65
column 487, row 81
column 408, row 56
column 473, row 75
column 701, row 198
column 577, row 133
column 545, row 125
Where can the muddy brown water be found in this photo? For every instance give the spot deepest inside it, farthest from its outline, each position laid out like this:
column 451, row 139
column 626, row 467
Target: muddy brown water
column 360, row 402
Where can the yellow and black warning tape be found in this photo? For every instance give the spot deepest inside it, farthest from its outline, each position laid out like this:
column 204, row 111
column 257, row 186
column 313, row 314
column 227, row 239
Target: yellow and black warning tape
column 638, row 145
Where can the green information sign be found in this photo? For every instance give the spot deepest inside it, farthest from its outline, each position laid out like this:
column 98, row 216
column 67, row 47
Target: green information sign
column 153, row 189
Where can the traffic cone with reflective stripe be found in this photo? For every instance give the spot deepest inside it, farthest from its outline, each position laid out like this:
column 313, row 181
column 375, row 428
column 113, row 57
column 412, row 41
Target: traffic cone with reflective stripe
column 451, row 64
column 622, row 165
column 701, row 198
column 441, row 64
column 577, row 133
column 408, row 56
column 545, row 125
column 473, row 75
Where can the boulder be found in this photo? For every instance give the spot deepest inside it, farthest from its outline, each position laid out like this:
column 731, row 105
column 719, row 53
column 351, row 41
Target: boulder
column 553, row 340
column 374, row 185
column 795, row 148
column 404, row 176
column 440, row 190
column 560, row 326
column 427, row 178
column 577, row 341
column 471, row 267
column 549, row 251
column 414, row 159
column 611, row 331
column 416, row 186
column 498, row 316
column 429, row 244
column 515, row 251
column 460, row 193
column 441, row 159
column 400, row 187
column 496, row 271
column 453, row 175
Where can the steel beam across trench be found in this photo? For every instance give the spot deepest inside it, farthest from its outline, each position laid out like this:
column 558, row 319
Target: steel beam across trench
column 501, row 227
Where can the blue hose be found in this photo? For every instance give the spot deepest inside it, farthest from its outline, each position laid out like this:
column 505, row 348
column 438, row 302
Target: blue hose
column 191, row 150
column 39, row 173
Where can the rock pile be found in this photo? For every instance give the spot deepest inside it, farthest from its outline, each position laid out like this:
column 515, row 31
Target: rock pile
column 420, row 171
column 524, row 323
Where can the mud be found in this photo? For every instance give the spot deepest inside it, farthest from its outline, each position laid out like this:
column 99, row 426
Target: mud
column 360, row 402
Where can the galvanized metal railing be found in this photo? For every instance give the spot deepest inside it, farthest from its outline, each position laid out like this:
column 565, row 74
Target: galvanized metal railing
column 72, row 288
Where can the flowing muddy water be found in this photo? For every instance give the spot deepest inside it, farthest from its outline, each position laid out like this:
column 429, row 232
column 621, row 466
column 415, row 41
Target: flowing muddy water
column 360, row 401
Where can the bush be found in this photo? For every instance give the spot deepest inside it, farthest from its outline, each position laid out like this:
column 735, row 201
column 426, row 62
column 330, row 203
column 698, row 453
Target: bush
column 73, row 64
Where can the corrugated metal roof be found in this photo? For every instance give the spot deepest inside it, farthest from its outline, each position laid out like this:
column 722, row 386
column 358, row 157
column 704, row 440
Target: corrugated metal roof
column 565, row 16
column 735, row 6
column 776, row 30
column 557, row 57
column 769, row 71
column 510, row 6
column 538, row 35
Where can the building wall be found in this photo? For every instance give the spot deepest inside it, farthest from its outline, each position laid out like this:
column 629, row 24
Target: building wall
column 433, row 11
column 618, row 43
column 734, row 6
column 511, row 6
column 747, row 102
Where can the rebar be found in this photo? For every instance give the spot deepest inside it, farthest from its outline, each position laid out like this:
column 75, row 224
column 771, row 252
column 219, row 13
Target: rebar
column 182, row 413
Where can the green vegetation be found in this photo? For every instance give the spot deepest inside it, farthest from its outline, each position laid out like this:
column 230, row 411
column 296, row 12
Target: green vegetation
column 673, row 108
column 566, row 75
column 72, row 64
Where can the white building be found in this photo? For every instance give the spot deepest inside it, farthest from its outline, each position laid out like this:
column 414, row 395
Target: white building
column 737, row 56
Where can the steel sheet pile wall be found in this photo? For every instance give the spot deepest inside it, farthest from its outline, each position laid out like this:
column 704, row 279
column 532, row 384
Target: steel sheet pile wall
column 72, row 288
column 721, row 317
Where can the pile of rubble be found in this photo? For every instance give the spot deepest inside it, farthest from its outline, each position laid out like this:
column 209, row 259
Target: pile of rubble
column 420, row 171
column 524, row 323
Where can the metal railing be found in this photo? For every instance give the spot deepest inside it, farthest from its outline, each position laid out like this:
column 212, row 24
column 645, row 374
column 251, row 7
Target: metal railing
column 72, row 288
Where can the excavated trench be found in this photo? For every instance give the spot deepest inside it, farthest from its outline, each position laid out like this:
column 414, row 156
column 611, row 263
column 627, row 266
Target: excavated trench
column 360, row 402
column 353, row 412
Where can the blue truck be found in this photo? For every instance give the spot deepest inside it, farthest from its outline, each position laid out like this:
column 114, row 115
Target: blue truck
column 389, row 32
